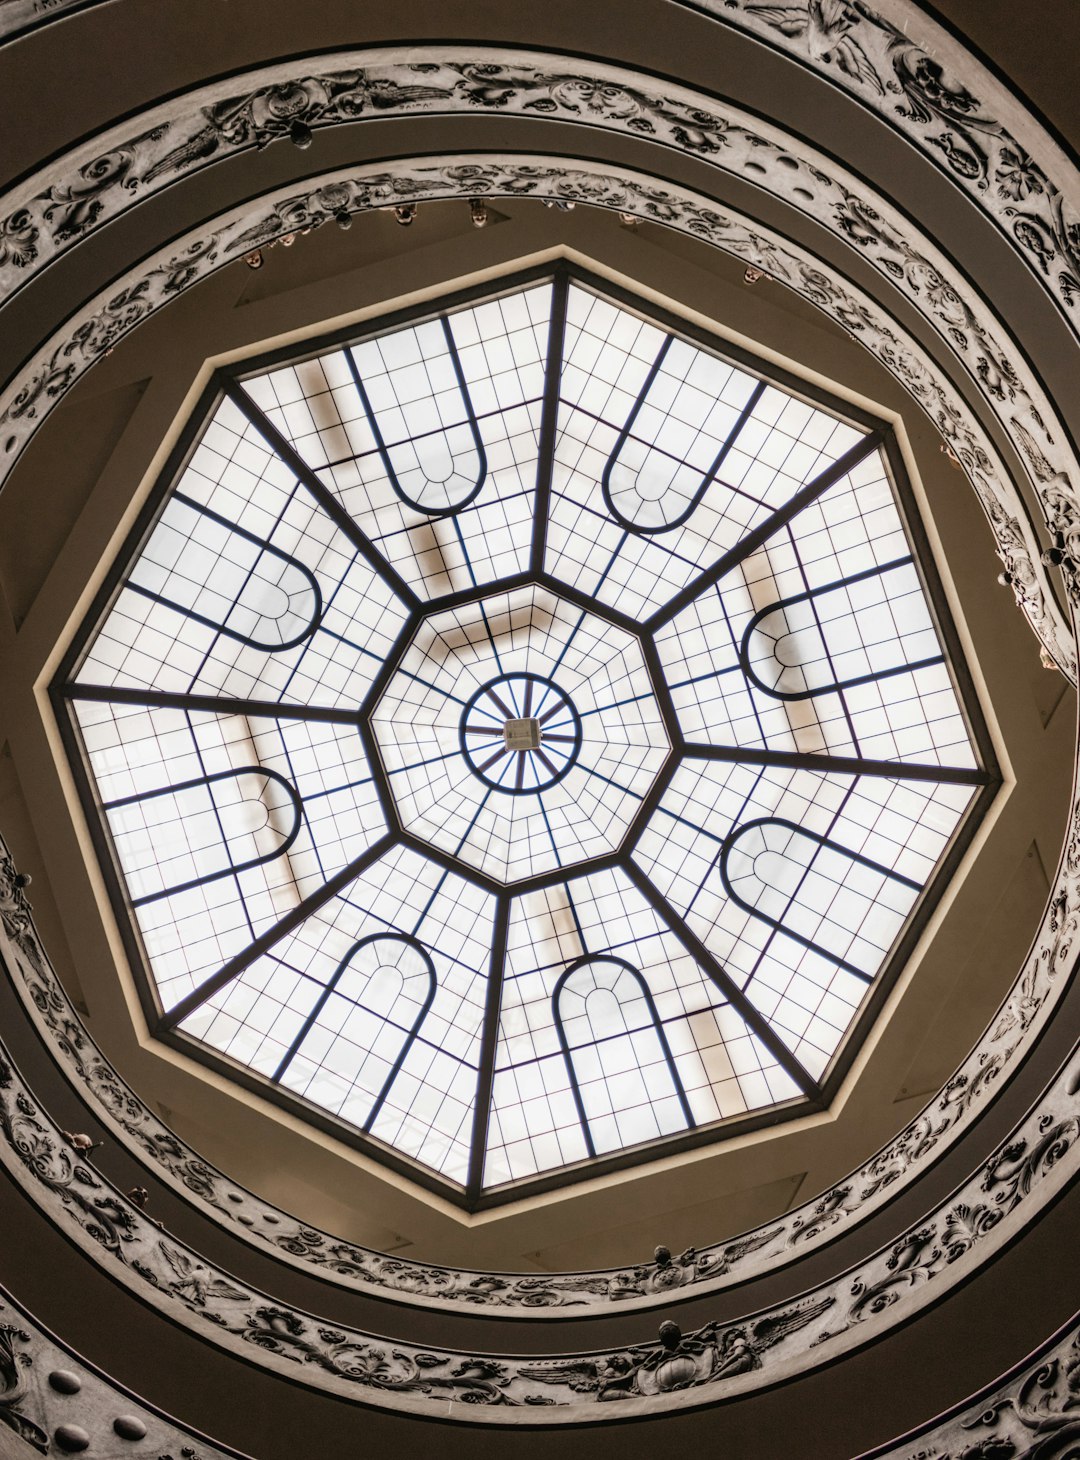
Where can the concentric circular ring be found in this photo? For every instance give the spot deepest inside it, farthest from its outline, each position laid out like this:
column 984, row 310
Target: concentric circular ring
column 539, row 714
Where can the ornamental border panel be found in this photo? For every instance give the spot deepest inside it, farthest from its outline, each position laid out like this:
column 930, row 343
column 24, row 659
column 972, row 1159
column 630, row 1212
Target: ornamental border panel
column 1030, row 1411
column 1034, row 1165
column 109, row 174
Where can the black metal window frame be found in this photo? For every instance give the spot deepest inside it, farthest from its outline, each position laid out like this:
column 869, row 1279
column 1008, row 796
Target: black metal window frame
column 879, row 436
column 587, row 960
column 469, row 419
column 409, row 1034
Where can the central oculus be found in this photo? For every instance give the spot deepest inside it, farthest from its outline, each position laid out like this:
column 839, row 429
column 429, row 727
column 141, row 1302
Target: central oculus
column 520, row 734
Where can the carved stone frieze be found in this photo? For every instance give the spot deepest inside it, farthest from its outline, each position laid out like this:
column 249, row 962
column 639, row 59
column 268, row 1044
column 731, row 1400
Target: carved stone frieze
column 14, row 1361
column 104, row 178
column 95, row 329
column 1041, row 1155
column 1033, row 1412
column 1034, row 992
column 946, row 105
column 891, row 56
column 58, row 1404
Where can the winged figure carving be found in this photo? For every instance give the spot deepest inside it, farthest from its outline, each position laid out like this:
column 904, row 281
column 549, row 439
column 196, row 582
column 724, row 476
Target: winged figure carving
column 824, row 26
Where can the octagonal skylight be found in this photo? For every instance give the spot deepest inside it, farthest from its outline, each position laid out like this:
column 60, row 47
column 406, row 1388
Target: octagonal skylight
column 523, row 735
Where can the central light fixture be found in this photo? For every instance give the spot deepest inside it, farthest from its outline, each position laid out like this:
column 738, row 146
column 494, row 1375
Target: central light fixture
column 523, row 734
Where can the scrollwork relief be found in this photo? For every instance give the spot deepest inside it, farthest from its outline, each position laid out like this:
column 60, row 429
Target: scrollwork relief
column 896, row 72
column 949, row 117
column 96, row 329
column 374, row 84
column 14, row 1362
column 1039, row 1158
column 1033, row 1412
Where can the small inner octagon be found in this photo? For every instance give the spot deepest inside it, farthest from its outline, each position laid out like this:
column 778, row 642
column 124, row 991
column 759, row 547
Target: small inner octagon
column 520, row 734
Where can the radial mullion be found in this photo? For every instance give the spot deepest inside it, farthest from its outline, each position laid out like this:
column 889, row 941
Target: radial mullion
column 772, row 524
column 891, row 770
column 549, row 420
column 485, row 1080
column 210, row 704
column 284, row 448
column 265, row 941
column 722, row 979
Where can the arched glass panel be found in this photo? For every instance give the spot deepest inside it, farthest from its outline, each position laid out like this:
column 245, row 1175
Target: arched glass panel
column 351, row 1046
column 184, row 836
column 865, row 627
column 436, row 464
column 649, row 484
column 621, row 1069
column 225, row 577
column 823, row 895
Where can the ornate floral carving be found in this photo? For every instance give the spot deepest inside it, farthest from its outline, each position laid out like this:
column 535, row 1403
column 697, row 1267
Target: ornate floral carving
column 1040, row 1156
column 1033, row 1413
column 1033, row 993
column 191, row 1285
column 680, row 1361
column 380, row 84
column 13, row 1364
column 892, row 71
column 920, row 94
column 97, row 329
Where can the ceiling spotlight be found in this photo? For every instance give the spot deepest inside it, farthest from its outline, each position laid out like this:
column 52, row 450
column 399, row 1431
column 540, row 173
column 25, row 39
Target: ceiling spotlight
column 343, row 219
column 564, row 205
column 405, row 213
column 478, row 210
column 300, row 134
column 254, row 260
column 1047, row 659
column 752, row 275
column 286, row 240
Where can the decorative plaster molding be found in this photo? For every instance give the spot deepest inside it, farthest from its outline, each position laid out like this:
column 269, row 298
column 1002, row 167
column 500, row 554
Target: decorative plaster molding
column 95, row 329
column 675, row 1370
column 97, row 181
column 50, row 1397
column 837, row 38
column 927, row 86
column 1033, row 1411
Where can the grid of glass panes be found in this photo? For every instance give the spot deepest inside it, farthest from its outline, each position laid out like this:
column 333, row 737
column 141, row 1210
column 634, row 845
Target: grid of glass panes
column 614, row 1075
column 578, row 658
column 324, row 510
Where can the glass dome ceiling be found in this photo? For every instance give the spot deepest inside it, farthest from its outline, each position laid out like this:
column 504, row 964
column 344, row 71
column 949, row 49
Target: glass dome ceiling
column 524, row 734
